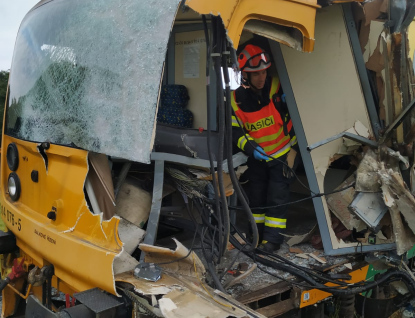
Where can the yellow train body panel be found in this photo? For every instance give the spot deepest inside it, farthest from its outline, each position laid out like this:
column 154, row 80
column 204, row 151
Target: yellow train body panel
column 79, row 244
column 295, row 13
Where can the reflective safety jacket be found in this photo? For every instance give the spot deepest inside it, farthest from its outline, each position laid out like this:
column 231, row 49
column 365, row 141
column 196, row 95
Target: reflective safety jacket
column 261, row 120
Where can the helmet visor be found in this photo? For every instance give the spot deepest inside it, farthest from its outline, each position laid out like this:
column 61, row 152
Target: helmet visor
column 256, row 60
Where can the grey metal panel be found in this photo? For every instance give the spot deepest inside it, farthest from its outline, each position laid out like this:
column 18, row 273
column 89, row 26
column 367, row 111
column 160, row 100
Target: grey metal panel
column 302, row 142
column 161, row 156
column 370, row 207
column 361, row 68
column 97, row 301
column 153, row 220
column 409, row 17
column 34, row 308
column 238, row 159
column 308, row 164
column 348, row 135
column 360, row 249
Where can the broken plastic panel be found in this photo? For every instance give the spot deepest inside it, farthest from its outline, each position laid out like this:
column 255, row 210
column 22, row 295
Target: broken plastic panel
column 87, row 74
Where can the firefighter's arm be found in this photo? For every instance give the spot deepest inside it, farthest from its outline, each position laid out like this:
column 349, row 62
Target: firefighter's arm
column 241, row 138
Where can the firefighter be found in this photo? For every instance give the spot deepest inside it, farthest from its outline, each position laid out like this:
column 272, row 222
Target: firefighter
column 262, row 128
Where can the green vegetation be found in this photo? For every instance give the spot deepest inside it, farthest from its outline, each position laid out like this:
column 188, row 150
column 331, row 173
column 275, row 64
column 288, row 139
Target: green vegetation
column 4, row 78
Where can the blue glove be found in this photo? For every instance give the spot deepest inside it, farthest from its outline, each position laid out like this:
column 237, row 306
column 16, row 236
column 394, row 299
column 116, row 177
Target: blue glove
column 259, row 154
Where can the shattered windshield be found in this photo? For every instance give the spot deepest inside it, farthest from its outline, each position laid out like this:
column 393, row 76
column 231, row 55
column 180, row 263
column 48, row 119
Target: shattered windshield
column 87, row 74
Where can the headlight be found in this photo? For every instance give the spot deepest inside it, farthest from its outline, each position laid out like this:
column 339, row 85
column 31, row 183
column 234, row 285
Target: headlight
column 14, row 186
column 12, row 156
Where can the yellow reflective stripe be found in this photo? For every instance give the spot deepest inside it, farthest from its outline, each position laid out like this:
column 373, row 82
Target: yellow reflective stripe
column 280, row 152
column 269, row 137
column 259, row 218
column 235, row 122
column 293, row 140
column 233, row 102
column 272, row 147
column 275, row 222
column 243, row 140
column 274, row 86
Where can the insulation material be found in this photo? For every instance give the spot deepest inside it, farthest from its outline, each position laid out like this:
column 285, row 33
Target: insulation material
column 367, row 179
column 185, row 266
column 130, row 234
column 404, row 238
column 394, row 191
column 339, row 202
column 106, row 81
column 133, row 203
column 124, row 262
column 349, row 146
column 403, row 199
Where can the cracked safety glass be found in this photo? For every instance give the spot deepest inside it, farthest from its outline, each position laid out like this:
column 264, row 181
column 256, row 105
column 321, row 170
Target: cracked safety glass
column 87, row 74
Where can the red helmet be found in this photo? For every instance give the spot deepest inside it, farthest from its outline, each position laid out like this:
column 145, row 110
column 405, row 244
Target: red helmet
column 253, row 59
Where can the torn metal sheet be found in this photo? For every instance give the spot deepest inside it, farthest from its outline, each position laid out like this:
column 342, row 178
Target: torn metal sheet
column 184, row 263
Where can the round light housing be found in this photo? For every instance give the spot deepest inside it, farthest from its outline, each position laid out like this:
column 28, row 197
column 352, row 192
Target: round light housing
column 14, row 186
column 12, row 156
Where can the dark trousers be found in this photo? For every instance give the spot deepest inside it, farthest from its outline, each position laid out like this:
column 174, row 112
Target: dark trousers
column 267, row 186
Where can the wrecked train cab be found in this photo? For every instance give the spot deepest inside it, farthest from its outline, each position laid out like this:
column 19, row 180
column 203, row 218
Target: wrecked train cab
column 112, row 136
